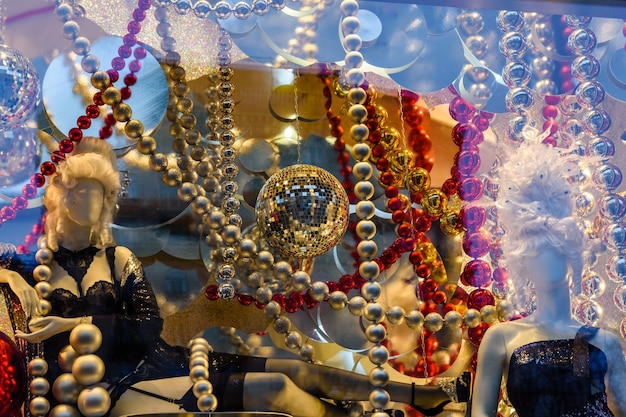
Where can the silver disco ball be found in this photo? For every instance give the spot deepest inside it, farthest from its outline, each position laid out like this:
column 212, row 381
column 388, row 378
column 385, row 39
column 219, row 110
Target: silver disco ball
column 302, row 211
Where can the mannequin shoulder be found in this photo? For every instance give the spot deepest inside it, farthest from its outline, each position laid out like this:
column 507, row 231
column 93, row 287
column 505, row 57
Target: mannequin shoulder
column 124, row 256
column 122, row 252
column 501, row 336
column 506, row 329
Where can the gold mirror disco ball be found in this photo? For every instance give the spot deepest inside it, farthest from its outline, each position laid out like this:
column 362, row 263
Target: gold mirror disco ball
column 302, row 211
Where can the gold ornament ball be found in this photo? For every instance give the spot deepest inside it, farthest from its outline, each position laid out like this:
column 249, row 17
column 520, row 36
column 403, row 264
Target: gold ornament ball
column 39, row 406
column 451, row 223
column 122, row 112
column 65, row 389
column 100, row 80
column 64, row 410
column 202, row 387
column 146, row 145
column 111, row 96
column 158, row 162
column 38, row 367
column 434, row 202
column 418, row 180
column 39, row 386
column 207, row 402
column 85, row 338
column 66, row 358
column 94, row 402
column 133, row 129
column 302, row 211
column 88, row 369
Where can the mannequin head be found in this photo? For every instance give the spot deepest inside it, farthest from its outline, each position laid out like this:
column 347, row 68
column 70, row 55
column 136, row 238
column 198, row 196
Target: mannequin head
column 83, row 190
column 85, row 201
column 543, row 239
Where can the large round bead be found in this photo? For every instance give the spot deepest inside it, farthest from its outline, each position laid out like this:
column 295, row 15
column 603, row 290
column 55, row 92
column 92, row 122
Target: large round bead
column 66, row 389
column 302, row 211
column 94, row 401
column 64, row 410
column 88, row 369
column 85, row 338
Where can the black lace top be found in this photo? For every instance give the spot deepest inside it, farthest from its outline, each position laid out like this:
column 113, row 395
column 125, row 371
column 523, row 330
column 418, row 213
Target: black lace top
column 559, row 378
column 126, row 313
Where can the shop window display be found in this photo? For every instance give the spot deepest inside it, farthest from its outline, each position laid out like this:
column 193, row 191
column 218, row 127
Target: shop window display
column 320, row 176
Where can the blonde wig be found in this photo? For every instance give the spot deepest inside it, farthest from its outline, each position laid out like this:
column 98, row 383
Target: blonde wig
column 94, row 159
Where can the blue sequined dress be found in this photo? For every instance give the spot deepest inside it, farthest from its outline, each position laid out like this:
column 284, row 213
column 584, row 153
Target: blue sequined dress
column 559, row 378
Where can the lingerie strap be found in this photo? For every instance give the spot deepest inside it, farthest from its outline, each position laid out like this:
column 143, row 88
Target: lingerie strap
column 110, row 254
column 581, row 350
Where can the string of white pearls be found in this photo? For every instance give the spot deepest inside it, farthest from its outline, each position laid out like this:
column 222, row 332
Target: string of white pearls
column 38, row 367
column 81, row 46
column 365, row 228
column 38, row 387
column 199, row 349
column 364, row 305
column 293, row 339
column 223, row 9
column 243, row 347
column 231, row 232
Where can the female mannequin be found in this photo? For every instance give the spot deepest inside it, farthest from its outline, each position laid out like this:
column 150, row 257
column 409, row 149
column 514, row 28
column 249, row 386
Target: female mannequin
column 97, row 282
column 550, row 364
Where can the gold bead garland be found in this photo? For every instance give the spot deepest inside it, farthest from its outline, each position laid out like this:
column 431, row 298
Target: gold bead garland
column 223, row 219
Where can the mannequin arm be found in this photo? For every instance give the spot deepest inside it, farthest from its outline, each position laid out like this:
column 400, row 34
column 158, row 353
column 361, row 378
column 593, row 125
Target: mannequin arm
column 43, row 328
column 137, row 320
column 490, row 365
column 27, row 295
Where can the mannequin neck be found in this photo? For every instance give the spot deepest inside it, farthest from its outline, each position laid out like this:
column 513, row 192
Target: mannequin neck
column 75, row 236
column 549, row 276
column 553, row 303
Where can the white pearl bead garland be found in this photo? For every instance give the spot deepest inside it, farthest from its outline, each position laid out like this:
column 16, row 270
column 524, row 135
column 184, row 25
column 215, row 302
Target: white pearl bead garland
column 364, row 190
column 199, row 374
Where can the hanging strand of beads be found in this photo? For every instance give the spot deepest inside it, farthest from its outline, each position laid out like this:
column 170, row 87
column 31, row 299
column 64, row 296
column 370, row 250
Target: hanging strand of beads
column 606, row 176
column 199, row 350
column 516, row 74
column 364, row 190
column 231, row 233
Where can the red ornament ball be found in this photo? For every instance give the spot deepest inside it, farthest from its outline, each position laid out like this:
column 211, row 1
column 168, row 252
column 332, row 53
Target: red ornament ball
column 13, row 378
